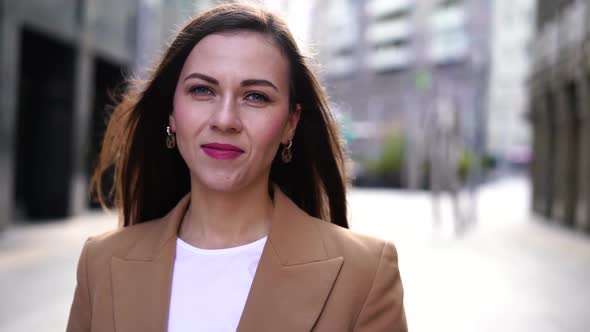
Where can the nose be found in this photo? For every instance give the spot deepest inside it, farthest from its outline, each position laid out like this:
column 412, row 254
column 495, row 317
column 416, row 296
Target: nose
column 226, row 118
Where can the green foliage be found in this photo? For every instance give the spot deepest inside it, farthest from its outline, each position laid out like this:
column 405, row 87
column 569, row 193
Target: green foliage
column 466, row 160
column 390, row 160
column 488, row 162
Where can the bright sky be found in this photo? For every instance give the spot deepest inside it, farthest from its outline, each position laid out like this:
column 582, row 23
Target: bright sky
column 298, row 16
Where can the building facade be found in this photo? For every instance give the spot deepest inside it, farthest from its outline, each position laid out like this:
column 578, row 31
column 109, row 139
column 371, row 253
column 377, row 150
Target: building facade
column 61, row 61
column 508, row 128
column 386, row 64
column 559, row 112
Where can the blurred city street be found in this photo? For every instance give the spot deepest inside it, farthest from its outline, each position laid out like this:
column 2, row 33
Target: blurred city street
column 428, row 95
column 38, row 271
column 508, row 272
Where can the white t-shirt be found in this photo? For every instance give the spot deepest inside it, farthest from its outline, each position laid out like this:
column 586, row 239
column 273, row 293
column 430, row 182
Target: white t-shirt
column 210, row 286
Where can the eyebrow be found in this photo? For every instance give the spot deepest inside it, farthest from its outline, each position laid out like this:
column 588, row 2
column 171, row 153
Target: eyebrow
column 203, row 77
column 249, row 82
column 252, row 82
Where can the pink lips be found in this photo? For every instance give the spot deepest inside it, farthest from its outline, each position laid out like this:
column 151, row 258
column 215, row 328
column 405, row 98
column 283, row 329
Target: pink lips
column 222, row 151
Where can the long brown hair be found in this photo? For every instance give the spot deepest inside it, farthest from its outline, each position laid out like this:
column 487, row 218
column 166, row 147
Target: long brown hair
column 150, row 179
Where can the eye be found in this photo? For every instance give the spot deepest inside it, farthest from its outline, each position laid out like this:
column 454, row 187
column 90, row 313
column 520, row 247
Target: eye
column 200, row 90
column 257, row 97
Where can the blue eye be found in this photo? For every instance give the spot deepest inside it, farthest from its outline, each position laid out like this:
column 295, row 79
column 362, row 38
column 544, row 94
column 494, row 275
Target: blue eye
column 257, row 97
column 200, row 90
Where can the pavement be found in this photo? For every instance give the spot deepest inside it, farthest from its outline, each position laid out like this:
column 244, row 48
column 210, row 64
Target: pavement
column 38, row 271
column 507, row 271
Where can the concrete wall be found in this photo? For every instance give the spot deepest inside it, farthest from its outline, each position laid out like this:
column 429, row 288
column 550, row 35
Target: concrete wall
column 85, row 30
column 560, row 113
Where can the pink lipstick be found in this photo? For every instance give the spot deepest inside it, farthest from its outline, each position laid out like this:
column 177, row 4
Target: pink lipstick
column 222, row 151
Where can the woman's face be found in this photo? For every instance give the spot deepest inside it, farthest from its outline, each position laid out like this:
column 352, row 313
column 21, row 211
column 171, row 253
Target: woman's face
column 231, row 110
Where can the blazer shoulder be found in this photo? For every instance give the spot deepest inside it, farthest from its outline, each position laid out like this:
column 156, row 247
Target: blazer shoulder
column 119, row 241
column 358, row 249
column 369, row 278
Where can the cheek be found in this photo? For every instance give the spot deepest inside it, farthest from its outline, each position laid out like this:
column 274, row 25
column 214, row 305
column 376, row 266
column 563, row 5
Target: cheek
column 187, row 126
column 187, row 119
column 182, row 118
column 271, row 134
column 180, row 111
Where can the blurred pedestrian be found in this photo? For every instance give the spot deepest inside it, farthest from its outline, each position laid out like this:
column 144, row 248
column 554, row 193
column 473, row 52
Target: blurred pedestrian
column 225, row 162
column 444, row 153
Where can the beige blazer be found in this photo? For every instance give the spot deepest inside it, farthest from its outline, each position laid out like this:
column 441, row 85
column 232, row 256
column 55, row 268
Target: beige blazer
column 312, row 276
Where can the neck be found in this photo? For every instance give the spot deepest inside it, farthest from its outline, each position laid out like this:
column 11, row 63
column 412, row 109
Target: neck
column 216, row 219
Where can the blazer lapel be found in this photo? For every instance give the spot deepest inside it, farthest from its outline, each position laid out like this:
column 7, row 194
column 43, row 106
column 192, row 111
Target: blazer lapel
column 294, row 277
column 142, row 279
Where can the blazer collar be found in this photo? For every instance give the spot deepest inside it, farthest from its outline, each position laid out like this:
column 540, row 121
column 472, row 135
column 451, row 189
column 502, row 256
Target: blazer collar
column 295, row 274
column 142, row 278
column 149, row 247
column 293, row 280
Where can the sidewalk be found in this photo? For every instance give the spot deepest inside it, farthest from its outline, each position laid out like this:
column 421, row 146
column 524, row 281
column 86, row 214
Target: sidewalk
column 38, row 271
column 510, row 272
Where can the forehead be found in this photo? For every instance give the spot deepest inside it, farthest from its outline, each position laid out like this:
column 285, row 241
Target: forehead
column 240, row 53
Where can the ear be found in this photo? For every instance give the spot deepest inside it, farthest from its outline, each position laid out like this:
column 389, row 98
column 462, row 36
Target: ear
column 292, row 122
column 172, row 123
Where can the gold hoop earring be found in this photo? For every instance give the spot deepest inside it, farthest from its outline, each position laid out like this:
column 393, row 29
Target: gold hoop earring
column 287, row 153
column 170, row 139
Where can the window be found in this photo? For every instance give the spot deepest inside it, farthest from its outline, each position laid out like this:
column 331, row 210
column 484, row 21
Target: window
column 449, row 3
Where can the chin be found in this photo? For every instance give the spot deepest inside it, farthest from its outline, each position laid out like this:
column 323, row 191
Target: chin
column 221, row 183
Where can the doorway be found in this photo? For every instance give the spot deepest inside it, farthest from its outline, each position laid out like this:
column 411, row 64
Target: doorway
column 108, row 80
column 571, row 191
column 44, row 127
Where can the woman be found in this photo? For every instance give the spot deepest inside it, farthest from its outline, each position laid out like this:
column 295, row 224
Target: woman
column 225, row 162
